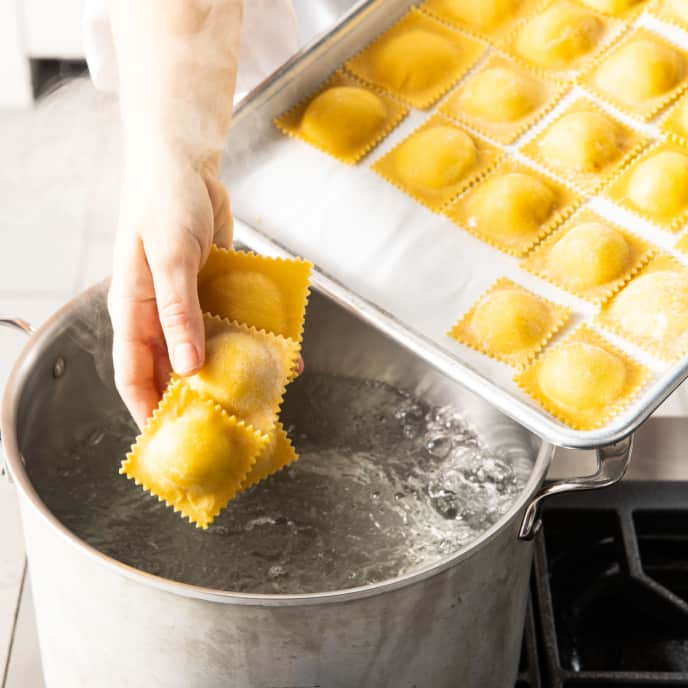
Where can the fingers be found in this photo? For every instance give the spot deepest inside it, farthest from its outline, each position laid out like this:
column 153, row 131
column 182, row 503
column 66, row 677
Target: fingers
column 135, row 378
column 137, row 337
column 174, row 268
column 222, row 212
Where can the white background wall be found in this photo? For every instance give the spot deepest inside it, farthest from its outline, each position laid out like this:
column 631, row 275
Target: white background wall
column 34, row 29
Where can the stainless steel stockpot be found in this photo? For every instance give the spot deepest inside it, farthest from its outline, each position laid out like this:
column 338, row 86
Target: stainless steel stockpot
column 104, row 624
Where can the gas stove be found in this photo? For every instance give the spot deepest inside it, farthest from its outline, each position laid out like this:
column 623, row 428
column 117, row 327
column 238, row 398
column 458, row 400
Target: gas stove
column 609, row 591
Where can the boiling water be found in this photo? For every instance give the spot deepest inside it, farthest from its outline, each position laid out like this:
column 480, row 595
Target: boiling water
column 385, row 484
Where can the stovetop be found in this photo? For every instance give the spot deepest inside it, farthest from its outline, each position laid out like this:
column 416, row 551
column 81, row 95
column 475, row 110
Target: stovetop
column 609, row 591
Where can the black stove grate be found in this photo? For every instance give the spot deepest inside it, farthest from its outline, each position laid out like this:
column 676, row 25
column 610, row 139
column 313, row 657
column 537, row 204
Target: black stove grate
column 609, row 592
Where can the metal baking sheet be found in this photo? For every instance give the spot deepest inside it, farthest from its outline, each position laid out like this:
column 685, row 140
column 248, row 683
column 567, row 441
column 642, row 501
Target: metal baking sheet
column 404, row 269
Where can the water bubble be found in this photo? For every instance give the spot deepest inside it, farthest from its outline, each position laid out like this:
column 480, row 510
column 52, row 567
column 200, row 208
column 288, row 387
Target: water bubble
column 410, row 413
column 410, row 430
column 95, row 438
column 438, row 446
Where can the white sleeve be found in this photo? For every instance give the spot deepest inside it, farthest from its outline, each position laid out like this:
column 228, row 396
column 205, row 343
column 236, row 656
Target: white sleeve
column 269, row 37
column 99, row 45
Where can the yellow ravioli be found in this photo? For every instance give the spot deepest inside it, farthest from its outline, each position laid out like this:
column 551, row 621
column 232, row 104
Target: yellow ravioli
column 672, row 11
column 510, row 323
column 266, row 293
column 513, row 208
column 588, row 256
column 682, row 244
column 246, row 371
column 488, row 18
column 584, row 381
column 343, row 118
column 640, row 74
column 562, row 37
column 436, row 162
column 616, row 8
column 676, row 122
column 585, row 145
column 655, row 185
column 652, row 309
column 502, row 99
column 193, row 455
column 275, row 455
column 418, row 59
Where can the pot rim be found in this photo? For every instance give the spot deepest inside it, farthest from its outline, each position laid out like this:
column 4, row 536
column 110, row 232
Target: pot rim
column 15, row 465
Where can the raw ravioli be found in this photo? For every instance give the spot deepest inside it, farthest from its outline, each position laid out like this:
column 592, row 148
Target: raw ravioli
column 436, row 162
column 562, row 37
column 192, row 455
column 585, row 145
column 502, row 99
column 418, row 59
column 588, row 256
column 655, row 185
column 583, row 381
column 266, row 293
column 510, row 323
column 246, row 371
column 513, row 207
column 641, row 74
column 652, row 309
column 343, row 118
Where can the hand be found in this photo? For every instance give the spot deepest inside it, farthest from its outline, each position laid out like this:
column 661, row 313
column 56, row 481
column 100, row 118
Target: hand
column 170, row 215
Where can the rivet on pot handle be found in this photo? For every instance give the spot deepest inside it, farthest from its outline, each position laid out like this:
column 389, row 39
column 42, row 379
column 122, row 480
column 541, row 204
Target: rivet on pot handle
column 17, row 324
column 612, row 464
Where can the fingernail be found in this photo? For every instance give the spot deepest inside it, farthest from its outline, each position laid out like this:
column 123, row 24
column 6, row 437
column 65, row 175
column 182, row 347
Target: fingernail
column 184, row 358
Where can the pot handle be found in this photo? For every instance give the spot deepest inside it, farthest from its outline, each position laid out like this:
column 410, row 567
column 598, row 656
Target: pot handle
column 17, row 324
column 612, row 462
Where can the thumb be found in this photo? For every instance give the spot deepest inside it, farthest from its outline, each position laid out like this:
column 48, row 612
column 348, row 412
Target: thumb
column 175, row 271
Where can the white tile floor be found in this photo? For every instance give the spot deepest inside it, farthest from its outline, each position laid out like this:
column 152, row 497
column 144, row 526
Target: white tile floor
column 59, row 177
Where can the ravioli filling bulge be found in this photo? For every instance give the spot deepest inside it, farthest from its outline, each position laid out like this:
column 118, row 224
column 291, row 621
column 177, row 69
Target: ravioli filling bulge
column 249, row 296
column 436, row 157
column 243, row 373
column 343, row 118
column 512, row 204
column 511, row 320
column 583, row 141
column 659, row 184
column 500, row 95
column 639, row 70
column 579, row 376
column 484, row 15
column 654, row 305
column 413, row 60
column 560, row 35
column 590, row 254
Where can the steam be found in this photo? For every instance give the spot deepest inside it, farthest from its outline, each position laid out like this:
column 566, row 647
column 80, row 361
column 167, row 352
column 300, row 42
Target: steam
column 74, row 142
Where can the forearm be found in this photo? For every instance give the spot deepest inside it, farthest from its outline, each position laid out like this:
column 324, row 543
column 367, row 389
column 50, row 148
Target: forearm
column 177, row 63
